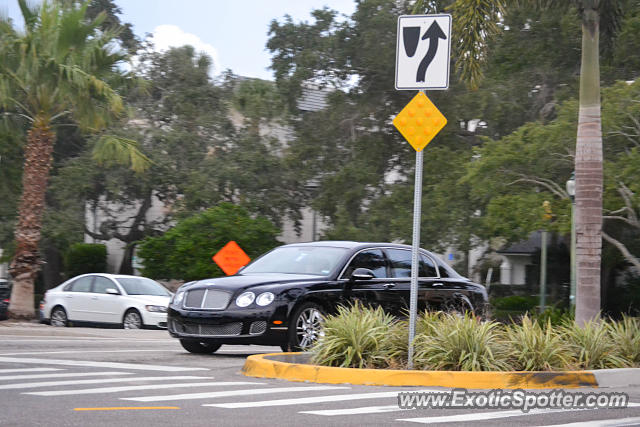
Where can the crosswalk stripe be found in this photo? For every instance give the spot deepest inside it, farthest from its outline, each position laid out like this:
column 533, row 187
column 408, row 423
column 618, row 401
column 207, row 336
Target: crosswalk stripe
column 97, row 381
column 113, row 365
column 229, row 393
column 63, row 375
column 356, row 411
column 603, row 423
column 137, row 387
column 481, row 416
column 13, row 370
column 304, row 400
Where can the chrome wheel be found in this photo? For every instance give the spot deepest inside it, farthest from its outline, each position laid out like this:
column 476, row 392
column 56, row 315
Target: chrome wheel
column 309, row 327
column 132, row 320
column 58, row 317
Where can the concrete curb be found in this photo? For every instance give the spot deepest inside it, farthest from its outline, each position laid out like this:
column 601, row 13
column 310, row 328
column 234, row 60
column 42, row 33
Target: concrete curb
column 297, row 367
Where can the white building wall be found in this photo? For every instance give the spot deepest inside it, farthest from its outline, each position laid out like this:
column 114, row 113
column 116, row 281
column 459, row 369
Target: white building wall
column 4, row 268
column 104, row 210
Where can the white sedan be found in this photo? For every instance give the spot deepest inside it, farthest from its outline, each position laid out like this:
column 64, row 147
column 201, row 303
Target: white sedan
column 130, row 301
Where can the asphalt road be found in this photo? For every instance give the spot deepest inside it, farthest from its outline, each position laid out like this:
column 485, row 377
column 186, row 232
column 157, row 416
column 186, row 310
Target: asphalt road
column 105, row 377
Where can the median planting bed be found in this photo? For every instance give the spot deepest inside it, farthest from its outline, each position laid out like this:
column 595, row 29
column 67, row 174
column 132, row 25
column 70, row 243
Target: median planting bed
column 360, row 337
column 366, row 346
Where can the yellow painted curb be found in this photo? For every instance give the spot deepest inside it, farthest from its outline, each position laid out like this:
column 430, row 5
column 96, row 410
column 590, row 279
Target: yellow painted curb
column 266, row 366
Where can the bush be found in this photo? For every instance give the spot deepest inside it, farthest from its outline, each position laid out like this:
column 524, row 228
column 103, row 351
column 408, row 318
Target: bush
column 184, row 252
column 625, row 335
column 461, row 343
column 536, row 347
column 353, row 338
column 592, row 346
column 554, row 315
column 515, row 303
column 84, row 258
column 363, row 337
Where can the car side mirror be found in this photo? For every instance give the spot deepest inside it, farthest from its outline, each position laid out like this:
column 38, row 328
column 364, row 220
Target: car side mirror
column 362, row 274
column 111, row 291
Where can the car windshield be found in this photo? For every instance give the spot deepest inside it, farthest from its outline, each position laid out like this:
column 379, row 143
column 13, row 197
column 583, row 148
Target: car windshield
column 142, row 286
column 318, row 261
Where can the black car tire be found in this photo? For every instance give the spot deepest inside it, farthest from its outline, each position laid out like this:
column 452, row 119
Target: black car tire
column 59, row 317
column 304, row 324
column 199, row 347
column 132, row 320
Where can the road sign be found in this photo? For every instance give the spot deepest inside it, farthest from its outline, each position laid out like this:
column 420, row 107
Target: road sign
column 423, row 51
column 231, row 258
column 419, row 121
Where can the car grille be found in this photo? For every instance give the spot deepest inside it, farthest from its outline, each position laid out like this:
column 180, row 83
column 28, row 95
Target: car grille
column 211, row 299
column 226, row 329
column 258, row 328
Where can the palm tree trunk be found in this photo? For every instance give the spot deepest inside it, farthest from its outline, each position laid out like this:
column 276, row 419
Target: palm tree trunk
column 26, row 262
column 589, row 183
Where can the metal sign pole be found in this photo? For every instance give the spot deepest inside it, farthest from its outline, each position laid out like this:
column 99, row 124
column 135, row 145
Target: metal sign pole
column 413, row 300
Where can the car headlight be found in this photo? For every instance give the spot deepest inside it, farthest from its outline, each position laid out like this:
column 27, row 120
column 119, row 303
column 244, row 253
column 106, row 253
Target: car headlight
column 156, row 308
column 265, row 299
column 178, row 297
column 245, row 299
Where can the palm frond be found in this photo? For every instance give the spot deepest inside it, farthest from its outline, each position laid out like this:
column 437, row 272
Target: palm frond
column 111, row 149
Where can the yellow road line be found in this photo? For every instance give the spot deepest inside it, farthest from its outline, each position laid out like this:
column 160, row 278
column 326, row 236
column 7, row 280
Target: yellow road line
column 126, row 408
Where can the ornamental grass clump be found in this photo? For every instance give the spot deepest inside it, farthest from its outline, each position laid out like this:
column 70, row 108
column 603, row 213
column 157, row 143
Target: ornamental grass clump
column 625, row 335
column 396, row 343
column 534, row 347
column 461, row 343
column 592, row 346
column 353, row 338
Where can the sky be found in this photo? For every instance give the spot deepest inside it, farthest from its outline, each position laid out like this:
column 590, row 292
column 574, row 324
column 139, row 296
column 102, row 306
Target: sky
column 232, row 32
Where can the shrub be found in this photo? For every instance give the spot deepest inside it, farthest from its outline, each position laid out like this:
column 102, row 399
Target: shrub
column 353, row 338
column 396, row 343
column 555, row 315
column 515, row 303
column 625, row 335
column 536, row 347
column 84, row 258
column 461, row 343
column 592, row 346
column 184, row 252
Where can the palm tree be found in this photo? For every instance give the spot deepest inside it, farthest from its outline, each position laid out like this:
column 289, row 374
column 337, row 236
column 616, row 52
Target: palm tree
column 474, row 24
column 57, row 69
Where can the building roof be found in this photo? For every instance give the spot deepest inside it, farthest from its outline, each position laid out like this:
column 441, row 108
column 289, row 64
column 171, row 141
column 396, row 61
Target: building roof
column 524, row 247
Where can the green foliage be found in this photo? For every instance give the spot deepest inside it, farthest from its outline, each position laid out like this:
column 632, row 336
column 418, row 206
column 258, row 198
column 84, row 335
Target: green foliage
column 461, row 343
column 591, row 345
column 363, row 337
column 625, row 335
column 185, row 251
column 515, row 302
column 555, row 315
column 536, row 347
column 84, row 258
column 353, row 338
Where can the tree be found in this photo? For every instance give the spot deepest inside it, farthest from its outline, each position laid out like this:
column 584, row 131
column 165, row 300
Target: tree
column 184, row 252
column 59, row 68
column 588, row 161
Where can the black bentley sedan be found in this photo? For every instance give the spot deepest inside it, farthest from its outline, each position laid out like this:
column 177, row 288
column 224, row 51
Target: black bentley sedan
column 282, row 296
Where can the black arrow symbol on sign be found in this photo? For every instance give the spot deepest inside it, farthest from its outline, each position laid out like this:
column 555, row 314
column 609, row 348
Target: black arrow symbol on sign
column 434, row 34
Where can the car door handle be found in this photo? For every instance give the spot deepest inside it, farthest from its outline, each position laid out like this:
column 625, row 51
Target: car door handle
column 437, row 284
column 69, row 296
column 94, row 297
column 389, row 285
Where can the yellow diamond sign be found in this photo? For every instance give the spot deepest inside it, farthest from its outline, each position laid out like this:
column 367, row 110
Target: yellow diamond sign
column 419, row 121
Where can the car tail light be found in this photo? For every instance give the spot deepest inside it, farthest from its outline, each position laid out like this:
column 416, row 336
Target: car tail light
column 6, row 300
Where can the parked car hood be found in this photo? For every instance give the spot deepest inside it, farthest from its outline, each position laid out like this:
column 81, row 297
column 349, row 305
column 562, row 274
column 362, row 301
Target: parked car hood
column 240, row 281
